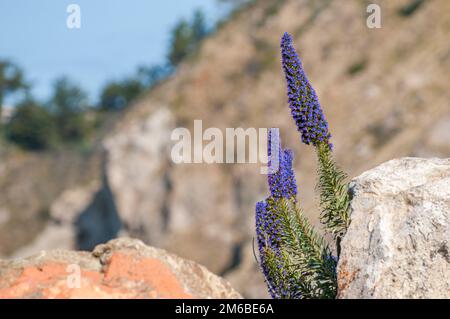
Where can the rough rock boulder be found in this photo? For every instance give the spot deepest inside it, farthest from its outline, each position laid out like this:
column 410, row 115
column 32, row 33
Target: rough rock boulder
column 398, row 243
column 122, row 268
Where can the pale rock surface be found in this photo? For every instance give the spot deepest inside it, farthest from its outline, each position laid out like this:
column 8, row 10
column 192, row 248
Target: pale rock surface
column 398, row 243
column 135, row 164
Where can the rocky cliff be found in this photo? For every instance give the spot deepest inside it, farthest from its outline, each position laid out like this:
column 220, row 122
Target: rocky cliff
column 384, row 92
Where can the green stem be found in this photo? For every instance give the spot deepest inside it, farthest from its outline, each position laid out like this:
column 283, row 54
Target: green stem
column 334, row 196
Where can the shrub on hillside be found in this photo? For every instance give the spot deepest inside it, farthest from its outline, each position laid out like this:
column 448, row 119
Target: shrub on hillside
column 31, row 126
column 186, row 37
column 68, row 106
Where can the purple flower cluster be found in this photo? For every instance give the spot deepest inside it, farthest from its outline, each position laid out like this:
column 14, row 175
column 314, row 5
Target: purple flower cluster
column 269, row 232
column 268, row 235
column 303, row 100
column 282, row 182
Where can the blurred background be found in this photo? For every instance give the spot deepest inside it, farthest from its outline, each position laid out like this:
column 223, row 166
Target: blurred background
column 87, row 113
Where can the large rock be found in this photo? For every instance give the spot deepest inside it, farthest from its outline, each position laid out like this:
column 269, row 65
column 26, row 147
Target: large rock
column 398, row 243
column 122, row 268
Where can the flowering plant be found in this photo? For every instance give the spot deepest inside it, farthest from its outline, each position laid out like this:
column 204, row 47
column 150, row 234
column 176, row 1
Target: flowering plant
column 296, row 261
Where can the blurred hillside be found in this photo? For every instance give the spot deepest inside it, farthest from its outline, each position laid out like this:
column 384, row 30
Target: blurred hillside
column 385, row 93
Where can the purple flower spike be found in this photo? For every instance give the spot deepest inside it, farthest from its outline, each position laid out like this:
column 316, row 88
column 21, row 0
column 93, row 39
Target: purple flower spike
column 282, row 182
column 303, row 100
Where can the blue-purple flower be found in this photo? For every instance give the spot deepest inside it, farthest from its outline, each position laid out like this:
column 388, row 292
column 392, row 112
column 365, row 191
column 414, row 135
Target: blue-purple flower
column 303, row 100
column 268, row 234
column 268, row 230
column 282, row 182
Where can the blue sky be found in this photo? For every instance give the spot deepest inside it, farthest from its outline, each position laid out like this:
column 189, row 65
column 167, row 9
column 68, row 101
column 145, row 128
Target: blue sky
column 115, row 37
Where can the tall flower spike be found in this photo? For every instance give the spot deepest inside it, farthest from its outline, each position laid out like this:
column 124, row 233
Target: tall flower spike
column 303, row 100
column 282, row 182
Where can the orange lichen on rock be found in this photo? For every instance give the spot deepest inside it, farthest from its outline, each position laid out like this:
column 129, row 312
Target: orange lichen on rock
column 127, row 269
column 47, row 280
column 148, row 272
column 345, row 277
